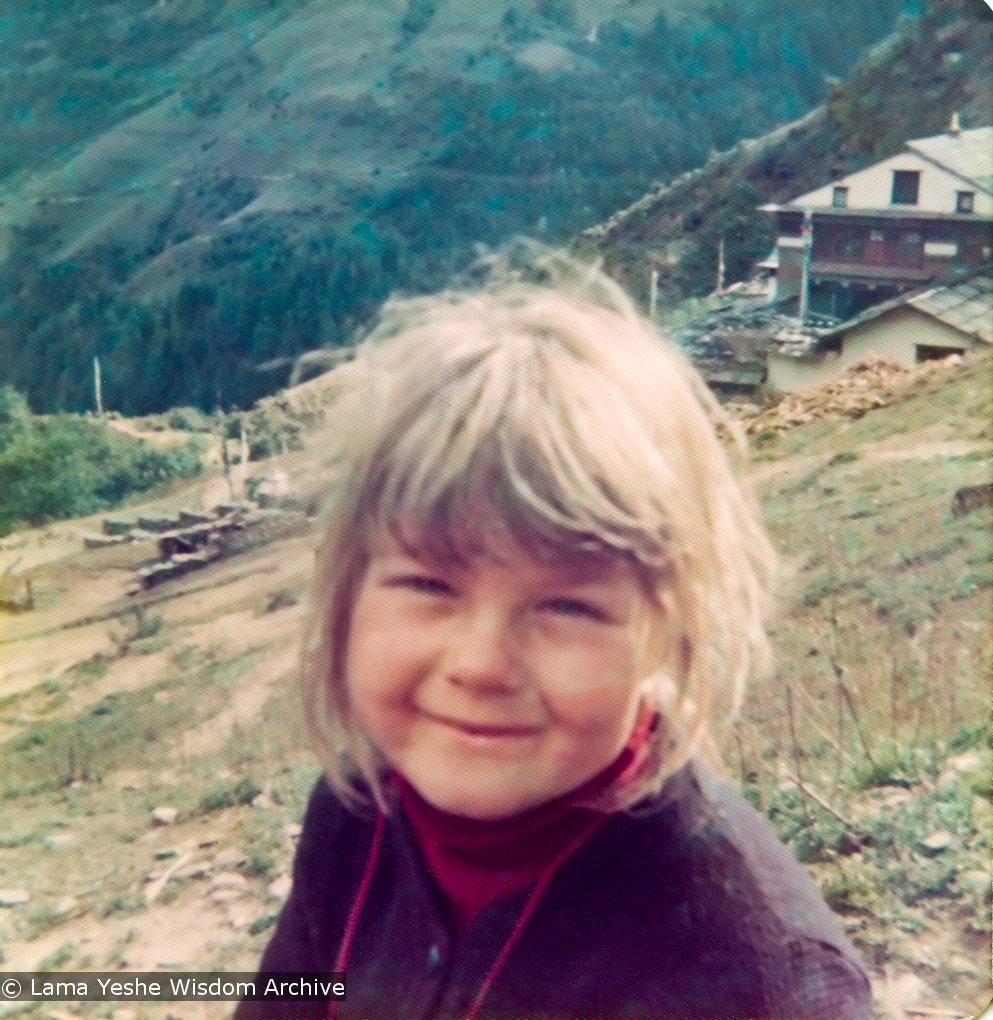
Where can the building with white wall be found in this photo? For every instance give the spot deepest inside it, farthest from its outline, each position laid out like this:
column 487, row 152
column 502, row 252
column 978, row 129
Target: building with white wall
column 930, row 323
column 922, row 216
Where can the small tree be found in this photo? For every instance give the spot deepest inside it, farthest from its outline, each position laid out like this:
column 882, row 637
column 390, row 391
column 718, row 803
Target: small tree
column 16, row 421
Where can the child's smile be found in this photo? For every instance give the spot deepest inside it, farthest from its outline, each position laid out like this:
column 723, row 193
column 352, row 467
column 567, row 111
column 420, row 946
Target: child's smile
column 497, row 685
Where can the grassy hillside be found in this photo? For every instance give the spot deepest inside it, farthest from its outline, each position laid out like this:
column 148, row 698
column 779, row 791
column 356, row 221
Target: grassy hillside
column 867, row 747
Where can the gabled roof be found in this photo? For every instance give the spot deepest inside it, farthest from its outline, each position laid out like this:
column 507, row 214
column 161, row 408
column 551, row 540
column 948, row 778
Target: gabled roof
column 968, row 154
column 966, row 306
column 951, row 159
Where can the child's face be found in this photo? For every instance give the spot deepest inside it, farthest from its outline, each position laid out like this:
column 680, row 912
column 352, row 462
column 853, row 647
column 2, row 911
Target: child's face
column 496, row 686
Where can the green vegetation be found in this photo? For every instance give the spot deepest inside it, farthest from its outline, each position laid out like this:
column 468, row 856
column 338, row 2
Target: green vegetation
column 262, row 923
column 462, row 152
column 244, row 791
column 869, row 748
column 58, row 752
column 125, row 728
column 81, row 67
column 59, row 958
column 64, row 466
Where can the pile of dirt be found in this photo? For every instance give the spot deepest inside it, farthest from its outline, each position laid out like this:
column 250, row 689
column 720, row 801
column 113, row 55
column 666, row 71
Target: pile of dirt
column 873, row 382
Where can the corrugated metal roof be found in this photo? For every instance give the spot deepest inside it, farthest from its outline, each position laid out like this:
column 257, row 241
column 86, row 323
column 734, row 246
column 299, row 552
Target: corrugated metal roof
column 968, row 154
column 967, row 306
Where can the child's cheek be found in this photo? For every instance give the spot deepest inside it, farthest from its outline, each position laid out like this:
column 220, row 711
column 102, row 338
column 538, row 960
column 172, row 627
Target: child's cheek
column 383, row 721
column 593, row 668
column 597, row 693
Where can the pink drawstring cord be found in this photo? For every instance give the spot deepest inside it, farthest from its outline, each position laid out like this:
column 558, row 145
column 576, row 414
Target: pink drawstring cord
column 501, row 958
column 528, row 910
column 353, row 914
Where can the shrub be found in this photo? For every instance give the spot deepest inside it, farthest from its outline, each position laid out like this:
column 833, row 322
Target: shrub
column 849, row 890
column 843, row 457
column 243, row 792
column 271, row 430
column 188, row 419
column 15, row 417
column 969, row 734
column 67, row 466
column 260, row 864
column 260, row 924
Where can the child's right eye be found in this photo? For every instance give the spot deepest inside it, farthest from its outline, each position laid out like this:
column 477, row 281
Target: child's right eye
column 575, row 607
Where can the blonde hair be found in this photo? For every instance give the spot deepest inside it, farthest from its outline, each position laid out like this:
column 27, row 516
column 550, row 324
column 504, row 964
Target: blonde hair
column 557, row 411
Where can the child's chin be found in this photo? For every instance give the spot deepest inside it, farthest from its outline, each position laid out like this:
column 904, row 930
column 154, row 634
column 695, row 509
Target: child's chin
column 481, row 806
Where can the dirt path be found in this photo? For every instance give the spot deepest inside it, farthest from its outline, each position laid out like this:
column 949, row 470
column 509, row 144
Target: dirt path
column 892, row 449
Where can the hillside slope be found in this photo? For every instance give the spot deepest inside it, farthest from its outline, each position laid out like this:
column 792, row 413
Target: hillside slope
column 906, row 87
column 866, row 747
column 195, row 191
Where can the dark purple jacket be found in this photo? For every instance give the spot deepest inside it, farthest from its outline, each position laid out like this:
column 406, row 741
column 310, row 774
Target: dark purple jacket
column 692, row 910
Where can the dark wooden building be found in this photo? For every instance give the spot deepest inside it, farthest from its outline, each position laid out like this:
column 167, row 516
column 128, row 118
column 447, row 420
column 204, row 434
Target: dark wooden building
column 922, row 216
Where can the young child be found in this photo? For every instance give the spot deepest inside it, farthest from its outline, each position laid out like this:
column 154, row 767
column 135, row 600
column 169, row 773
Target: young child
column 540, row 589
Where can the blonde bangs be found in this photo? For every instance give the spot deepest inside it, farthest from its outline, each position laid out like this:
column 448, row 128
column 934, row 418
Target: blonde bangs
column 527, row 438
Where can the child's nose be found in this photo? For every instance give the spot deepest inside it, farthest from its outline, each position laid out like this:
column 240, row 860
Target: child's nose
column 483, row 656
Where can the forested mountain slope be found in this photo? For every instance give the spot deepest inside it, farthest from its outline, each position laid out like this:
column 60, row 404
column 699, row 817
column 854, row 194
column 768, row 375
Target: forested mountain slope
column 192, row 190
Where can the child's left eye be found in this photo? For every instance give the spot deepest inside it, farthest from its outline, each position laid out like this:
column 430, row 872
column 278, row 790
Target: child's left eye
column 424, row 584
column 574, row 607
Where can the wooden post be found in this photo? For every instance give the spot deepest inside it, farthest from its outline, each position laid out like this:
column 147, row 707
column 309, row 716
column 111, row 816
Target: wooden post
column 222, row 435
column 808, row 243
column 243, row 465
column 97, row 387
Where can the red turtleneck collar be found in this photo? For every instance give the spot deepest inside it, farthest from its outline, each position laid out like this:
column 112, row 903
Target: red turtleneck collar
column 476, row 863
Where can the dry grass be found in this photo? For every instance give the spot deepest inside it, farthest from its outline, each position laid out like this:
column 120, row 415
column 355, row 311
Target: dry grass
column 869, row 746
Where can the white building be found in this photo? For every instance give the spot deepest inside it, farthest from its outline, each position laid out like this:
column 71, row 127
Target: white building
column 929, row 323
column 922, row 216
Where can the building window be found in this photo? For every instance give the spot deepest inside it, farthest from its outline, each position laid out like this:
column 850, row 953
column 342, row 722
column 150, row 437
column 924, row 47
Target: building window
column 909, row 248
column 906, row 185
column 839, row 197
column 965, row 201
column 923, row 352
column 849, row 243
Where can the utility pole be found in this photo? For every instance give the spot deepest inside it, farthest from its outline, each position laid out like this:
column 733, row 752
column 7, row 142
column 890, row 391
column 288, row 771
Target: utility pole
column 243, row 459
column 221, row 425
column 720, row 266
column 97, row 387
column 807, row 233
column 653, row 294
